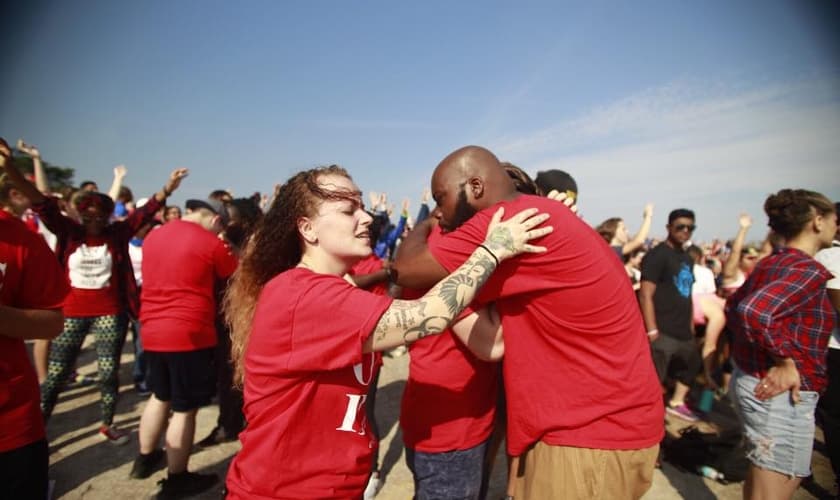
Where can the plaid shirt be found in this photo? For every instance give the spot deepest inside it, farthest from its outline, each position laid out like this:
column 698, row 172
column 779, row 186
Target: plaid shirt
column 783, row 310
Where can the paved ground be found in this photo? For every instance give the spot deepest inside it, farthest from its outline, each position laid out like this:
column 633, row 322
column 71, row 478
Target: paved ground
column 84, row 466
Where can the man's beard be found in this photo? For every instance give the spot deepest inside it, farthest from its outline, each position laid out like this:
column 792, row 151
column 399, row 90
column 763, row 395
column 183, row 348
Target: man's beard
column 463, row 212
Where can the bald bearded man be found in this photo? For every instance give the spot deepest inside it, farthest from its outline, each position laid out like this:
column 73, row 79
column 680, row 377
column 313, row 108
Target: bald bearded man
column 585, row 409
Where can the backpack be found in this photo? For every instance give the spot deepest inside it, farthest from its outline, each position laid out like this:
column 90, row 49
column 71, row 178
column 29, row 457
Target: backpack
column 723, row 451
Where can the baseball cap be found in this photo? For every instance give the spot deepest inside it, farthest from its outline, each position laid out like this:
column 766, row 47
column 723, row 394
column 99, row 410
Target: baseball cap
column 215, row 206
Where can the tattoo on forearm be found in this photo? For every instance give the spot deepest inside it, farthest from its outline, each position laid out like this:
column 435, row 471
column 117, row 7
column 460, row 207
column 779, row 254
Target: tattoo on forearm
column 412, row 319
column 502, row 237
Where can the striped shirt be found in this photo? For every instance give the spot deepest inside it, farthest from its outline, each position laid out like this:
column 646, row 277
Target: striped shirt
column 783, row 310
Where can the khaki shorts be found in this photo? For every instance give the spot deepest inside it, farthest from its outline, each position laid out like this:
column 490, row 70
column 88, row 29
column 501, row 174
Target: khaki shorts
column 561, row 472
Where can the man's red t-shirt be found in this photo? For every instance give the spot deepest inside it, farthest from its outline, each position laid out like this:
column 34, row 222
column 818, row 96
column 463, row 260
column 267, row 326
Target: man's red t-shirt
column 306, row 381
column 578, row 370
column 181, row 263
column 30, row 278
column 449, row 402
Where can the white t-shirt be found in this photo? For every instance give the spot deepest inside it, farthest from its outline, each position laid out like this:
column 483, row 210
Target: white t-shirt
column 830, row 258
column 90, row 267
column 704, row 281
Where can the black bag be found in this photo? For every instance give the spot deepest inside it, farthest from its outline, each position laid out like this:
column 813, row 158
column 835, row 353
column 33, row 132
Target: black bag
column 722, row 451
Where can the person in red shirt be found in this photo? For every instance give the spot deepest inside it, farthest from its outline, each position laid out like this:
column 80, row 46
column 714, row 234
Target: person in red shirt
column 182, row 260
column 304, row 339
column 32, row 290
column 781, row 320
column 94, row 254
column 583, row 401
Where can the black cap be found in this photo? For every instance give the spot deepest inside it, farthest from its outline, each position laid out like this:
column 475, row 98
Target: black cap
column 215, row 206
column 556, row 179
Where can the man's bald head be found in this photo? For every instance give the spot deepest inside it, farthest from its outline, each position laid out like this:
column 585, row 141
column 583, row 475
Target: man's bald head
column 468, row 180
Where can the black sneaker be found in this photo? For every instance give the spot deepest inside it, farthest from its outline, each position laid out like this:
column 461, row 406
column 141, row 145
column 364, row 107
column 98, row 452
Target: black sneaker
column 185, row 484
column 146, row 465
column 142, row 389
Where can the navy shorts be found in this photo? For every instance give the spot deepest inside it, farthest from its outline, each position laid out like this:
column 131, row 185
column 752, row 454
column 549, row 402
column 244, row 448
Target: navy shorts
column 452, row 474
column 187, row 379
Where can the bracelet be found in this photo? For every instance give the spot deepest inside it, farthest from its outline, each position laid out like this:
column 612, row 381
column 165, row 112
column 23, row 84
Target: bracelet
column 653, row 332
column 491, row 253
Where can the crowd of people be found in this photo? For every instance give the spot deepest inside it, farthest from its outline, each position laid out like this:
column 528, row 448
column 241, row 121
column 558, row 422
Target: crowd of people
column 525, row 324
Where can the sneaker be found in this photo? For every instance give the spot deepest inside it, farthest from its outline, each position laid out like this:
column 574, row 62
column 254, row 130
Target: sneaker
column 114, row 435
column 217, row 436
column 373, row 486
column 184, row 485
column 146, row 465
column 141, row 388
column 682, row 411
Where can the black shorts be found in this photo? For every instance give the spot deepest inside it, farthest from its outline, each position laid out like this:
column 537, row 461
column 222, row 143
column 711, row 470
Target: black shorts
column 679, row 358
column 186, row 379
column 23, row 471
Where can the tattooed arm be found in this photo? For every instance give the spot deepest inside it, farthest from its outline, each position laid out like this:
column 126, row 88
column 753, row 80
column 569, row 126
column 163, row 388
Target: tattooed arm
column 409, row 320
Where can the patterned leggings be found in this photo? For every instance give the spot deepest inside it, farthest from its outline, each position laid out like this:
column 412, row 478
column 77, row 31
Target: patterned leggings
column 110, row 335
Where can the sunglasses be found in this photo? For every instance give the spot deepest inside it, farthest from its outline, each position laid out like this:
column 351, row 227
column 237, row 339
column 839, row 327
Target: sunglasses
column 685, row 227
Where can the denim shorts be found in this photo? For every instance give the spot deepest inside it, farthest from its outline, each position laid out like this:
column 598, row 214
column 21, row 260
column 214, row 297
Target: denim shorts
column 451, row 475
column 779, row 434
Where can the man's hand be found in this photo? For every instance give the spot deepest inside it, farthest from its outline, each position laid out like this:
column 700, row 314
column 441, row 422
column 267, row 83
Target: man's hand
column 781, row 378
column 28, row 149
column 120, row 172
column 563, row 198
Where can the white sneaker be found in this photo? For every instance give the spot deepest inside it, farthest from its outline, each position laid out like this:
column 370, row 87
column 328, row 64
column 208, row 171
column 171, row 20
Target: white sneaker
column 373, row 486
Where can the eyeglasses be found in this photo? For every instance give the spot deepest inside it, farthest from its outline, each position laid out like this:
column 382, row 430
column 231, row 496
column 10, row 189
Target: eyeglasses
column 685, row 227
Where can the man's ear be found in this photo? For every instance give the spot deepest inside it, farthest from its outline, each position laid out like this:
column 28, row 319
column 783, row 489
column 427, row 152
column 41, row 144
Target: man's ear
column 476, row 187
column 306, row 230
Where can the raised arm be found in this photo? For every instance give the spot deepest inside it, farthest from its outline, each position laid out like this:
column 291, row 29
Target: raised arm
column 644, row 230
column 144, row 214
column 406, row 321
column 424, row 211
column 37, row 168
column 119, row 175
column 27, row 188
column 730, row 267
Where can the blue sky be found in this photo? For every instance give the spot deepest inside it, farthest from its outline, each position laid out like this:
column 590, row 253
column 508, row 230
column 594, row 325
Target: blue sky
column 709, row 105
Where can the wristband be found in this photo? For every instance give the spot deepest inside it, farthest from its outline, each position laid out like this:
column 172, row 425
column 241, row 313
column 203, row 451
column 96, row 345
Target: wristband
column 491, row 253
column 653, row 332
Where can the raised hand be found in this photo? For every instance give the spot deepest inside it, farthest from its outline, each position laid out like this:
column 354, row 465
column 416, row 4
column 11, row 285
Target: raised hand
column 508, row 238
column 120, row 171
column 28, row 149
column 405, row 205
column 373, row 197
column 175, row 179
column 5, row 153
column 744, row 221
column 648, row 210
column 427, row 195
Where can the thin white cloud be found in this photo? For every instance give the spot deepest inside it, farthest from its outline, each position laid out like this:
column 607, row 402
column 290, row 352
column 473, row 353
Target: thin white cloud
column 714, row 146
column 350, row 123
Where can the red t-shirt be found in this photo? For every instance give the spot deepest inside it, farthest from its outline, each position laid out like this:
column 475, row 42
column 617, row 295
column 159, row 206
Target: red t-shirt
column 181, row 262
column 89, row 269
column 306, row 381
column 449, row 402
column 30, row 278
column 370, row 265
column 578, row 370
